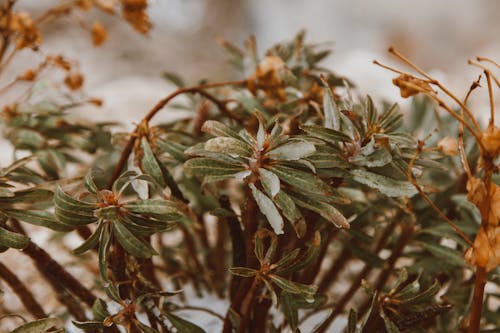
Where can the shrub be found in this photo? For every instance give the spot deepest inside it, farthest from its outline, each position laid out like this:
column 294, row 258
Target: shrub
column 282, row 194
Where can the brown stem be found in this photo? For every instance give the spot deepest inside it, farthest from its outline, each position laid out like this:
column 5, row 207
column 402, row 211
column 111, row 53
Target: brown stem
column 312, row 272
column 477, row 300
column 195, row 89
column 405, row 237
column 356, row 283
column 53, row 271
column 22, row 292
column 247, row 305
column 331, row 275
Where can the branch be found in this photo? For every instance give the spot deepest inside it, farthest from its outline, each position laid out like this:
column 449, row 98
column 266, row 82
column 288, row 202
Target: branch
column 22, row 292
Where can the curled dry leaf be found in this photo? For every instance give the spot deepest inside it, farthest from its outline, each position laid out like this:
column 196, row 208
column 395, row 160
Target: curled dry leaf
column 486, row 249
column 448, row 146
column 410, row 85
column 489, row 207
column 99, row 34
column 269, row 76
column 491, row 140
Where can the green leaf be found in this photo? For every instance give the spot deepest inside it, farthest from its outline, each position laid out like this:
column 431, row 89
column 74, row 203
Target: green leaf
column 216, row 128
column 270, row 182
column 100, row 310
column 38, row 217
column 306, row 291
column 450, row 255
column 208, row 167
column 289, row 310
column 89, row 181
column 13, row 239
column 69, row 204
column 329, row 212
column 132, row 244
column 326, row 134
column 243, row 271
column 176, row 150
column 104, row 246
column 301, row 180
column 183, row 325
column 292, row 151
column 351, row 323
column 290, row 211
column 89, row 326
column 38, row 326
column 231, row 146
column 90, row 242
column 156, row 207
column 146, row 329
column 389, row 325
column 388, row 186
column 150, row 163
column 268, row 208
column 332, row 113
column 425, row 296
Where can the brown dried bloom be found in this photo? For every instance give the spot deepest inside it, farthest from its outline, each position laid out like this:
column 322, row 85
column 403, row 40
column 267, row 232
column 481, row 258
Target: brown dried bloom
column 410, row 85
column 74, row 80
column 269, row 77
column 106, row 5
column 448, row 146
column 134, row 11
column 26, row 34
column 491, row 140
column 489, row 207
column 99, row 34
column 486, row 249
column 28, row 75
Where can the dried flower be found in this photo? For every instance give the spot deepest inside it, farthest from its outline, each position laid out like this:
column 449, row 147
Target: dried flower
column 74, row 80
column 26, row 34
column 134, row 11
column 486, row 249
column 410, row 85
column 448, row 146
column 99, row 33
column 491, row 140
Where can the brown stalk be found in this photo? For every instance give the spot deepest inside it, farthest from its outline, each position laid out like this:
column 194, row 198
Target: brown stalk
column 331, row 275
column 187, row 90
column 397, row 252
column 363, row 274
column 26, row 297
column 58, row 277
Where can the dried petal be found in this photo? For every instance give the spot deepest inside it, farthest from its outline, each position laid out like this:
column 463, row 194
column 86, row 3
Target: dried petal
column 74, row 80
column 410, row 85
column 448, row 146
column 491, row 140
column 99, row 33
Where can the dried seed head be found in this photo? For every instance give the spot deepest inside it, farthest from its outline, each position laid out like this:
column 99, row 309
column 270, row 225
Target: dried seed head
column 410, row 85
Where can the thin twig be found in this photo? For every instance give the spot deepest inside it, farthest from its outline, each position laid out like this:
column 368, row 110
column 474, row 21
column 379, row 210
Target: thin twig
column 429, row 201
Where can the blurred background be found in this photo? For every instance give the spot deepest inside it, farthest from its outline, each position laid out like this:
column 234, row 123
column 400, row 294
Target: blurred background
column 126, row 71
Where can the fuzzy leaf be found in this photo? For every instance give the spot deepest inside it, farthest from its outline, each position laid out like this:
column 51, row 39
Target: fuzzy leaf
column 183, row 325
column 132, row 244
column 243, row 271
column 270, row 182
column 150, row 164
column 13, row 239
column 329, row 212
column 388, row 186
column 38, row 217
column 216, row 128
column 326, row 134
column 208, row 167
column 451, row 256
column 227, row 145
column 301, row 180
column 38, row 326
column 268, row 208
column 332, row 113
column 292, row 151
